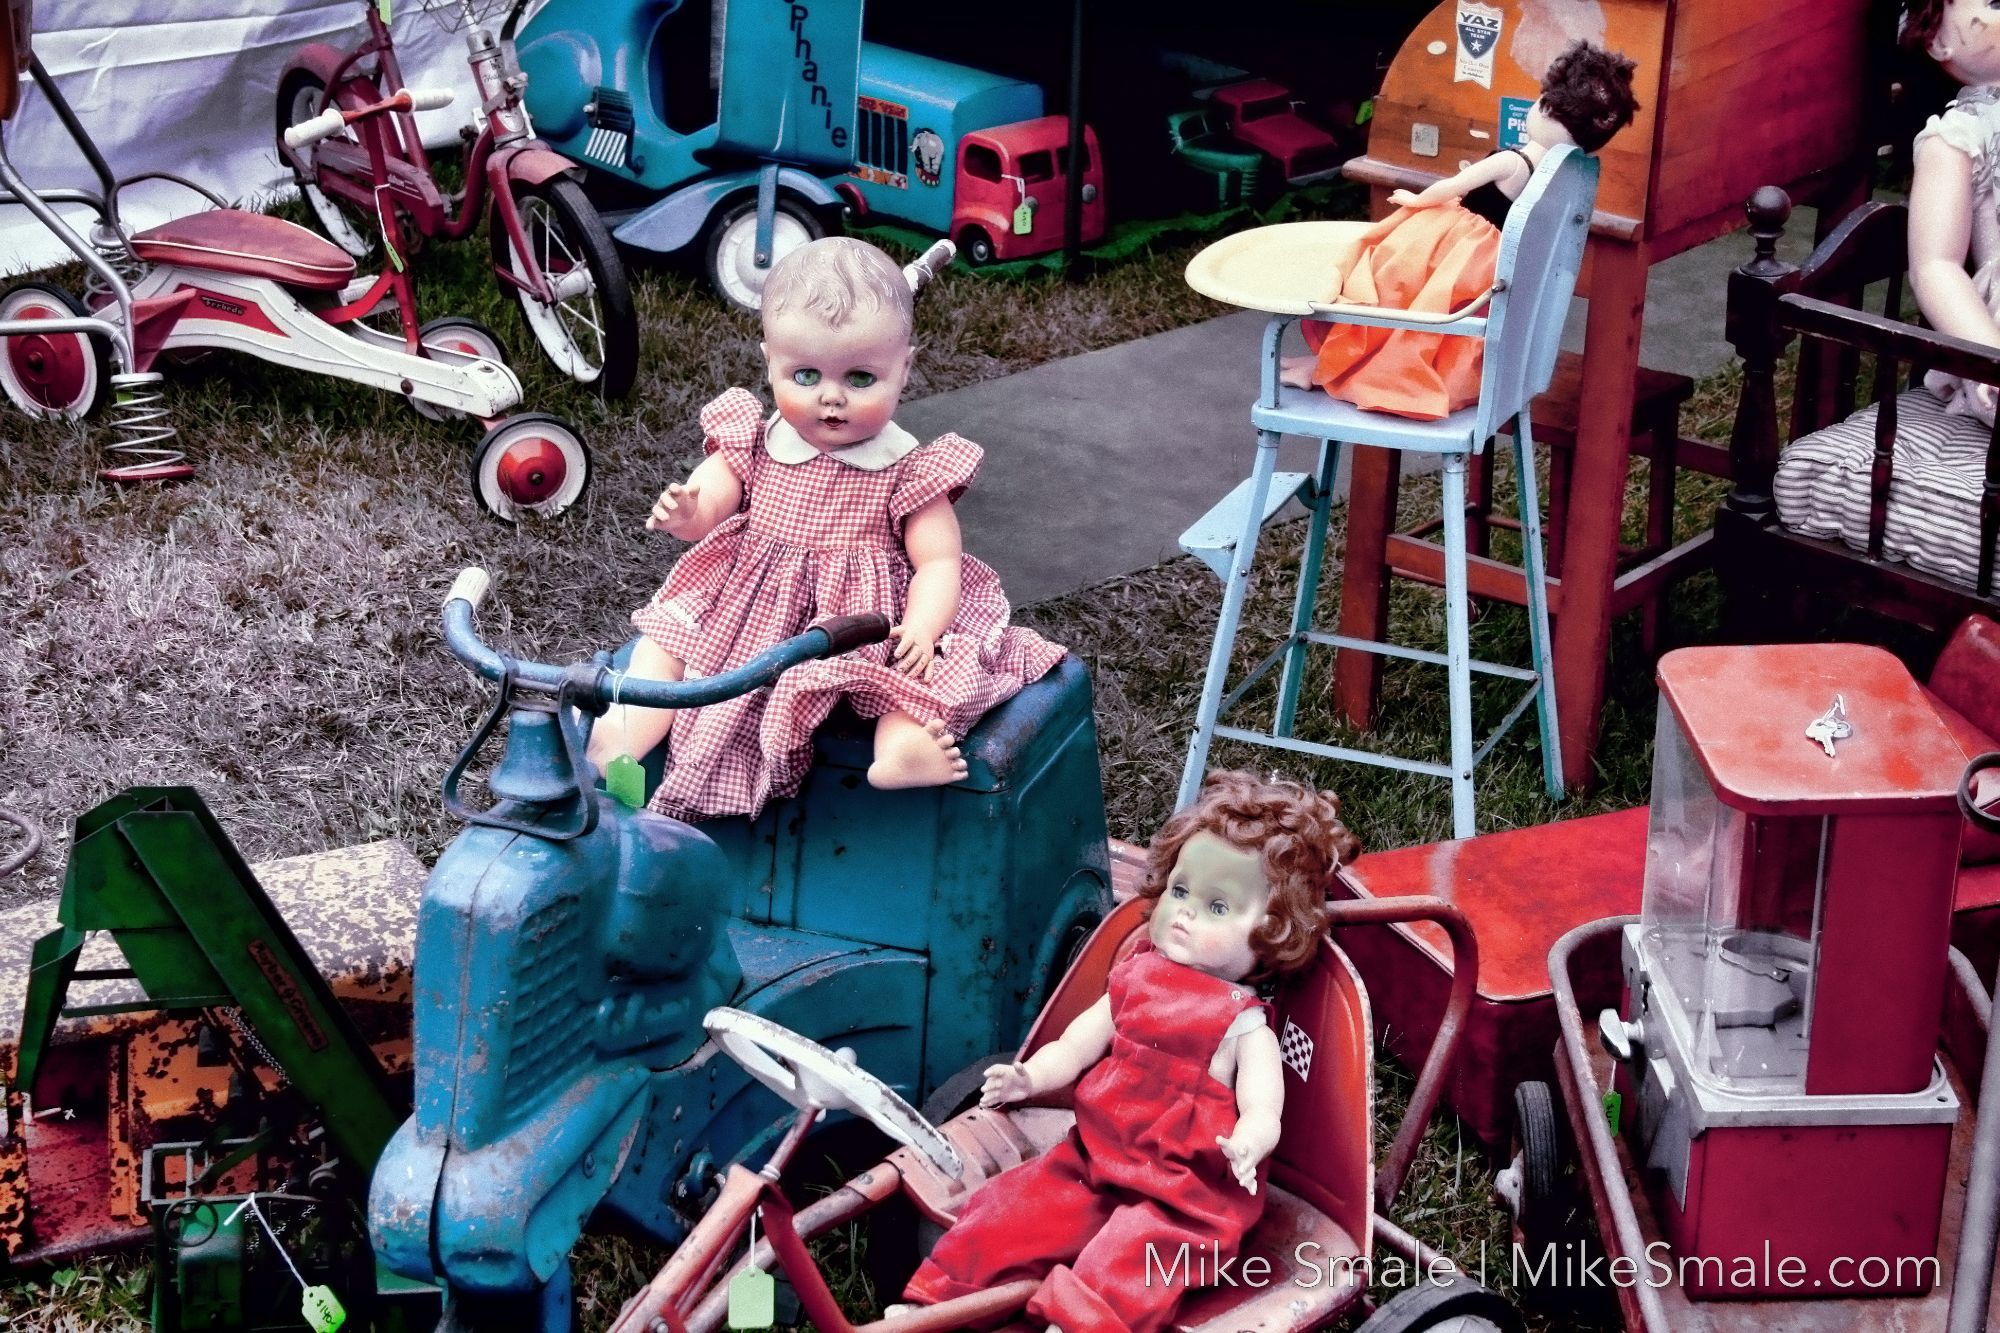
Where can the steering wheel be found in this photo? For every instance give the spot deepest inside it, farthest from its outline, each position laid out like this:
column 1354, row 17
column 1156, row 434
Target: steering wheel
column 806, row 1073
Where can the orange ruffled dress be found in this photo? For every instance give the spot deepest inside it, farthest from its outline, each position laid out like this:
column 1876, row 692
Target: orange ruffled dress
column 1421, row 259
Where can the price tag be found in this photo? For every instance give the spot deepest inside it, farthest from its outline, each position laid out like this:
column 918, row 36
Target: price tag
column 1024, row 219
column 1614, row 1106
column 321, row 1309
column 753, row 1300
column 626, row 781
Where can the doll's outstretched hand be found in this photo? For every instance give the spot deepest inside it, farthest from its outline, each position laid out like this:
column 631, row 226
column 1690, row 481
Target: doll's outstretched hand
column 1246, row 1149
column 675, row 508
column 915, row 653
column 1006, row 1083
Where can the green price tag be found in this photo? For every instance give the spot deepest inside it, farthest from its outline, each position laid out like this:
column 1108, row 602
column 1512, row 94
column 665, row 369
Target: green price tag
column 321, row 1309
column 1614, row 1106
column 626, row 781
column 1024, row 219
column 753, row 1300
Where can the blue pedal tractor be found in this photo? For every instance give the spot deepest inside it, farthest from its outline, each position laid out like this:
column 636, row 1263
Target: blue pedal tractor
column 567, row 949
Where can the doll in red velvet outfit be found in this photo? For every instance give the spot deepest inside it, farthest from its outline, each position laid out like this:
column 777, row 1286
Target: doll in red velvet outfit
column 1179, row 1110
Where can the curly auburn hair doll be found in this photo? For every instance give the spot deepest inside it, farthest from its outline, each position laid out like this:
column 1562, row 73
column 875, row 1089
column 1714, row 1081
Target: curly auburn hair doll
column 1298, row 834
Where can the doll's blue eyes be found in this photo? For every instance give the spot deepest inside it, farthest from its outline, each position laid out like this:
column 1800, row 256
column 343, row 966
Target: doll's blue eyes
column 855, row 379
column 1216, row 908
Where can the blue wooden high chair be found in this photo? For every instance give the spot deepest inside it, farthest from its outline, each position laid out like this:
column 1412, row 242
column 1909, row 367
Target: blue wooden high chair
column 1521, row 319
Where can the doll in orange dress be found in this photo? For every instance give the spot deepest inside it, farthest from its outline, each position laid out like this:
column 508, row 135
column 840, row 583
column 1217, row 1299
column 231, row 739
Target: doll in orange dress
column 1438, row 251
column 825, row 507
column 1179, row 1110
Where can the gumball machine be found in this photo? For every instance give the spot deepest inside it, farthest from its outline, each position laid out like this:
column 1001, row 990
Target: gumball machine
column 1779, row 1078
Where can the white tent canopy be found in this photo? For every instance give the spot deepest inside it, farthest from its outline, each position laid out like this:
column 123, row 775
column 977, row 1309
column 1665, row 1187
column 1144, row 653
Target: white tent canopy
column 191, row 86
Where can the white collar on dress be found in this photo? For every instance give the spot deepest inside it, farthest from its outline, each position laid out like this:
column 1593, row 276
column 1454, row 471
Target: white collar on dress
column 883, row 449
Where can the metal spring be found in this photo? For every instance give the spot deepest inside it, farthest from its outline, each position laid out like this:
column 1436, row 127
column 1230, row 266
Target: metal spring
column 144, row 448
column 111, row 248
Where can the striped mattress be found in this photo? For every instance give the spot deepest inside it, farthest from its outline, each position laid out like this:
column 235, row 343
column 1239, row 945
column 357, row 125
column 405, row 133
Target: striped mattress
column 1933, row 523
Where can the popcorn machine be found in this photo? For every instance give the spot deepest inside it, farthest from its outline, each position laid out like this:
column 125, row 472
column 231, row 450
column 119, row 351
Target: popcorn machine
column 1778, row 1071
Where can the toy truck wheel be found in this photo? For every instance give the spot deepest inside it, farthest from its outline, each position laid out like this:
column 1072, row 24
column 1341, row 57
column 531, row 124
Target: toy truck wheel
column 976, row 246
column 1455, row 1304
column 1532, row 1184
column 732, row 247
column 590, row 332
column 301, row 97
column 458, row 337
column 530, row 464
column 51, row 374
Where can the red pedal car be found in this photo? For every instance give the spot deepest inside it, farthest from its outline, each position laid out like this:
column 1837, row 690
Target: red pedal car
column 1324, row 1184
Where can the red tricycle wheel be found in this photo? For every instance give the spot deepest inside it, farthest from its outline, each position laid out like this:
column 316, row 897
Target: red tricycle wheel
column 532, row 463
column 51, row 374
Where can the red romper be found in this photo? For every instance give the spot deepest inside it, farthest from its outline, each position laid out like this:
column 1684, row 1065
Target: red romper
column 1141, row 1167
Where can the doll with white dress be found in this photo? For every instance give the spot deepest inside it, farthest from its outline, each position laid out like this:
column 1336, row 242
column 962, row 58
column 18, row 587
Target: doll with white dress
column 1179, row 1081
column 824, row 507
column 1955, row 189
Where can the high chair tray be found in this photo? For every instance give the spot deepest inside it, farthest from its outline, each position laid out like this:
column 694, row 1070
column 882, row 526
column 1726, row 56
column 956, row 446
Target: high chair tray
column 1281, row 268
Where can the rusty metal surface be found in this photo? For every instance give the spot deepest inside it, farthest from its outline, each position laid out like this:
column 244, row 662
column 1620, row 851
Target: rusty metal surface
column 1520, row 888
column 1438, row 1063
column 1744, row 711
column 1627, row 1224
column 69, row 1185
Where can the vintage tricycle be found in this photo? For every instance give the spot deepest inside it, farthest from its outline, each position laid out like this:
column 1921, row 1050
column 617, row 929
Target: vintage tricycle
column 551, row 251
column 567, row 948
column 1304, row 1263
column 233, row 280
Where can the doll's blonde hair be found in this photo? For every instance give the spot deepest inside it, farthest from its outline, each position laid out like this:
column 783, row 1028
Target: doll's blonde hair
column 1297, row 835
column 836, row 278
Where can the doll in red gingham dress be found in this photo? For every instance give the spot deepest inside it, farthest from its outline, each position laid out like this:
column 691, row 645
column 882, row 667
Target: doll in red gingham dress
column 826, row 507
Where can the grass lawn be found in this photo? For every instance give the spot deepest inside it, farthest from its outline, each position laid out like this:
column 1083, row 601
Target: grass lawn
column 268, row 632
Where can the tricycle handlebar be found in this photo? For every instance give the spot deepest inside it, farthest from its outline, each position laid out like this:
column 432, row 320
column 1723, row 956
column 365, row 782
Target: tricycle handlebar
column 594, row 686
column 333, row 120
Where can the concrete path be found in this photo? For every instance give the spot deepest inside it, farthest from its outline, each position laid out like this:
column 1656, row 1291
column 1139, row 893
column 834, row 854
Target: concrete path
column 1095, row 464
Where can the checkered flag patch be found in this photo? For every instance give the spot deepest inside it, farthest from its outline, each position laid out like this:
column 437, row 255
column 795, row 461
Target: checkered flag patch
column 1296, row 1048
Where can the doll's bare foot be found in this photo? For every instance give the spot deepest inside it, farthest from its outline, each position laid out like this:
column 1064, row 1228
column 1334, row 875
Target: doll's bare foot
column 913, row 754
column 1297, row 371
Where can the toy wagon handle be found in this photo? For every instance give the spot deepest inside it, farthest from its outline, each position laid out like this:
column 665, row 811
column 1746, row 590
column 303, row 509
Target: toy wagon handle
column 31, row 835
column 1981, row 819
column 592, row 686
column 919, row 272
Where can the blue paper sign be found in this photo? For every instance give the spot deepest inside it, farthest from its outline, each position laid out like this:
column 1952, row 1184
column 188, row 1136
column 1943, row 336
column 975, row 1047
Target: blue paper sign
column 1514, row 121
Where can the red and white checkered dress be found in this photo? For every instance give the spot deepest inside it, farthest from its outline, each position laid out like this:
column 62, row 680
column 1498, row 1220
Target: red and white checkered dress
column 815, row 539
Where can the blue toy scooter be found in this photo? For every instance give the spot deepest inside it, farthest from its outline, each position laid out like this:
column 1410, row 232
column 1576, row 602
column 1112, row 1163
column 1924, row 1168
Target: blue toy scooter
column 726, row 136
column 567, row 949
